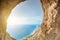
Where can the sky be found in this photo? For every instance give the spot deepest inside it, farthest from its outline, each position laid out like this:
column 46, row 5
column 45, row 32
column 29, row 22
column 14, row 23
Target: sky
column 24, row 19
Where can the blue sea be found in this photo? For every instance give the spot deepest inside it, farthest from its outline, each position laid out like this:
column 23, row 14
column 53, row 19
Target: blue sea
column 20, row 31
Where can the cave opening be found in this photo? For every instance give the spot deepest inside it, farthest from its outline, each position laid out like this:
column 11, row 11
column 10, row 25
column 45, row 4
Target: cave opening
column 24, row 19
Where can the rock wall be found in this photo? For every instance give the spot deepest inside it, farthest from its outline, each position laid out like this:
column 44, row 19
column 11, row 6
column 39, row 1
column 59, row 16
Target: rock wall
column 50, row 28
column 5, row 8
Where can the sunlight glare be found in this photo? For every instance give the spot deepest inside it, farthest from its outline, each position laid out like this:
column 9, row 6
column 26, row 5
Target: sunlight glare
column 16, row 20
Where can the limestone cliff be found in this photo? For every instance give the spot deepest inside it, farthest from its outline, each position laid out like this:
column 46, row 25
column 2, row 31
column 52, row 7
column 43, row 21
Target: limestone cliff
column 5, row 8
column 50, row 28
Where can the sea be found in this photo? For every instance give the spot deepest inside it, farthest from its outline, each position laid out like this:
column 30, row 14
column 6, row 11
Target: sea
column 20, row 31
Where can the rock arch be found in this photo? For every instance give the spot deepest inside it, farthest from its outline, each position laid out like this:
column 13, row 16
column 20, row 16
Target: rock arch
column 50, row 29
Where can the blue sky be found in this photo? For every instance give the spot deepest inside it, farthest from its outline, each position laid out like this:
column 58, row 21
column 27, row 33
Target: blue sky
column 24, row 18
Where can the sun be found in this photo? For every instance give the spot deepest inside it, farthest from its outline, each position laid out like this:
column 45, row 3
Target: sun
column 13, row 20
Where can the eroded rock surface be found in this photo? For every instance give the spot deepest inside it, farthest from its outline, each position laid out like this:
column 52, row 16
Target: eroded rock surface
column 50, row 28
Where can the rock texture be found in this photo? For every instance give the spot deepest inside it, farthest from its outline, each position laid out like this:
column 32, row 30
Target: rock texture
column 5, row 8
column 50, row 28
